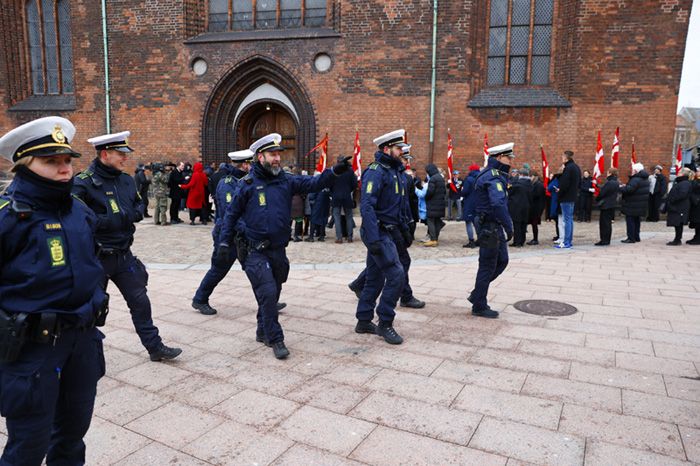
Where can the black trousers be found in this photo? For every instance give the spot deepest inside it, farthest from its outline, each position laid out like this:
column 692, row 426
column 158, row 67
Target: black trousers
column 605, row 225
column 519, row 229
column 679, row 233
column 175, row 209
column 633, row 227
column 435, row 224
column 585, row 204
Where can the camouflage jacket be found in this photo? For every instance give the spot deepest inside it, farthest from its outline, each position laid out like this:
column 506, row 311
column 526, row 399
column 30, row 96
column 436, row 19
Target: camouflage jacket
column 159, row 184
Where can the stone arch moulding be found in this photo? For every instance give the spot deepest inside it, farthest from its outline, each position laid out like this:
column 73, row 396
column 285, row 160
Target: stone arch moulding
column 229, row 94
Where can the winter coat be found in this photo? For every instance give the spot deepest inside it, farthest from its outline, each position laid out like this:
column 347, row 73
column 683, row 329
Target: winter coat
column 607, row 197
column 694, row 217
column 585, row 186
column 554, row 198
column 569, row 182
column 538, row 202
column 342, row 189
column 142, row 182
column 422, row 207
column 678, row 202
column 436, row 197
column 635, row 195
column 468, row 207
column 661, row 185
column 520, row 200
column 297, row 206
column 196, row 196
column 176, row 179
column 454, row 195
column 320, row 206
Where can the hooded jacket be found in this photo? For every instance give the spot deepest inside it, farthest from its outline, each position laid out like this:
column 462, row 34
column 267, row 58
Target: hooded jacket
column 635, row 195
column 678, row 202
column 436, row 197
column 196, row 194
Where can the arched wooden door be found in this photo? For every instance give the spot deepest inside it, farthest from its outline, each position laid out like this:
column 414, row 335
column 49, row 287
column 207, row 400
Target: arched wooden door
column 265, row 118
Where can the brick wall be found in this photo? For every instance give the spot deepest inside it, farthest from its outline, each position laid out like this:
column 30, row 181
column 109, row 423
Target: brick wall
column 617, row 62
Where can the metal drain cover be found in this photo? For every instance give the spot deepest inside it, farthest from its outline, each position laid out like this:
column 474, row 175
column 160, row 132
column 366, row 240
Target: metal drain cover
column 542, row 307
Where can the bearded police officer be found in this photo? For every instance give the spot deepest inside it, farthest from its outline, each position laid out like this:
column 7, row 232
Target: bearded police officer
column 112, row 195
column 383, row 224
column 258, row 221
column 493, row 225
column 225, row 192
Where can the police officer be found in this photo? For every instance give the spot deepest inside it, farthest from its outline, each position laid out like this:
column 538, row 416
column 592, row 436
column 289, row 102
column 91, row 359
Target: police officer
column 493, row 224
column 112, row 195
column 225, row 192
column 402, row 242
column 258, row 220
column 383, row 207
column 51, row 354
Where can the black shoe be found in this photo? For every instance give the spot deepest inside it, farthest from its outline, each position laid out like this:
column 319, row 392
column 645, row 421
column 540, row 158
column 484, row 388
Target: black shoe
column 260, row 338
column 191, row 222
column 471, row 244
column 321, row 239
column 674, row 243
column 366, row 326
column 297, row 239
column 693, row 241
column 488, row 313
column 556, row 238
column 147, row 216
column 310, row 239
column 533, row 242
column 413, row 303
column 356, row 290
column 390, row 336
column 280, row 350
column 627, row 241
column 280, row 306
column 204, row 308
column 600, row 243
column 163, row 352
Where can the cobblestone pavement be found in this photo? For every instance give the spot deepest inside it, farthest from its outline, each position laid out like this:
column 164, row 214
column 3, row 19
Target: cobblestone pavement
column 615, row 383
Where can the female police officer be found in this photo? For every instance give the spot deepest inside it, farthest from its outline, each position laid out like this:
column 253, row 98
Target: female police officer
column 50, row 300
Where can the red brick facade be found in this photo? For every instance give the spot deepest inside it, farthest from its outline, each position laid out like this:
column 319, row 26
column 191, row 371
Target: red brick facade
column 616, row 63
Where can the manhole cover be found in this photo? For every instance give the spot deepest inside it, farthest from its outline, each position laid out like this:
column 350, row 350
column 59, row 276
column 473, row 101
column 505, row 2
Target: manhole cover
column 542, row 307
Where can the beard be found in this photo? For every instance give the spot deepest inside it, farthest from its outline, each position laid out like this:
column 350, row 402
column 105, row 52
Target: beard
column 274, row 170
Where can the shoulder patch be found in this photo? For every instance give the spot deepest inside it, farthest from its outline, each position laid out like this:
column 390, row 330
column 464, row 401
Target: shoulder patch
column 373, row 166
column 369, row 187
column 247, row 179
column 83, row 175
column 4, row 203
column 494, row 172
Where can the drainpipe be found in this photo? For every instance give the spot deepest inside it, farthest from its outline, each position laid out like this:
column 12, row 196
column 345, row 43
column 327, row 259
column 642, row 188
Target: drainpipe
column 433, row 83
column 106, row 54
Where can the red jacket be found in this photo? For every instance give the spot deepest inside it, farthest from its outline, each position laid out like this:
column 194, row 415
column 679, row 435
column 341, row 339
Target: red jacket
column 196, row 195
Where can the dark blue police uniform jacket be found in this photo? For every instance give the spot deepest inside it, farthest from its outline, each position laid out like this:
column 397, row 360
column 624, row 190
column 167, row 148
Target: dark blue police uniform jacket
column 225, row 192
column 491, row 196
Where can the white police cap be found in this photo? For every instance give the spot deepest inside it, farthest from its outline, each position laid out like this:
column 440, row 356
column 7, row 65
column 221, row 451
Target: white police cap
column 39, row 138
column 406, row 149
column 115, row 141
column 269, row 143
column 503, row 149
column 245, row 155
column 390, row 139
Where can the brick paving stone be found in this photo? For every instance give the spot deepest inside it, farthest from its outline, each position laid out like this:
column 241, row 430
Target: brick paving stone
column 156, row 453
column 605, row 454
column 273, row 381
column 126, row 403
column 521, row 361
column 589, row 328
column 679, row 387
column 527, row 443
column 308, row 456
column 201, row 391
column 627, row 321
column 325, row 394
column 117, row 360
column 662, row 408
column 255, row 409
column 630, row 431
column 556, row 336
column 570, row 391
column 107, row 442
column 626, row 345
column 438, row 349
column 673, row 338
column 388, row 447
column 429, row 389
column 568, row 352
column 686, row 353
column 175, row 424
column 484, row 376
column 399, row 360
column 656, row 365
column 520, row 408
column 352, row 373
column 614, row 377
column 153, row 375
column 431, row 420
column 691, row 442
column 326, row 430
column 231, row 443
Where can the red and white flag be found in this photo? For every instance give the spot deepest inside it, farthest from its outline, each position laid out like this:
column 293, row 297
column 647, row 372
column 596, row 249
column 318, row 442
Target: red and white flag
column 486, row 149
column 322, row 159
column 545, row 171
column 633, row 158
column 615, row 154
column 449, row 162
column 357, row 158
column 679, row 160
column 599, row 164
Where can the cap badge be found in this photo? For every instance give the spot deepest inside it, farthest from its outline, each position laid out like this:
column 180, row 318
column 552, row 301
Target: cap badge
column 57, row 135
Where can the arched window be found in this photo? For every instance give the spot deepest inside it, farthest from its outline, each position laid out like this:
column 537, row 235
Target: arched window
column 50, row 52
column 243, row 15
column 520, row 41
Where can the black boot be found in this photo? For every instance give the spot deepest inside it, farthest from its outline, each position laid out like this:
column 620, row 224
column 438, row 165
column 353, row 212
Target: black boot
column 260, row 338
column 162, row 352
column 488, row 313
column 471, row 244
column 366, row 326
column 280, row 306
column 280, row 350
column 204, row 308
column 413, row 303
column 385, row 330
column 355, row 289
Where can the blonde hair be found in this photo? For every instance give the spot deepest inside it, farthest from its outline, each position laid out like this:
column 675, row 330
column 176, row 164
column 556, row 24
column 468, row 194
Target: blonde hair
column 26, row 161
column 685, row 171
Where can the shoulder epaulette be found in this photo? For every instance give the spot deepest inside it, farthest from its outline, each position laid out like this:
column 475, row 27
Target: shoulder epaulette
column 374, row 165
column 85, row 174
column 248, row 179
column 228, row 179
column 494, row 172
column 77, row 198
column 4, row 203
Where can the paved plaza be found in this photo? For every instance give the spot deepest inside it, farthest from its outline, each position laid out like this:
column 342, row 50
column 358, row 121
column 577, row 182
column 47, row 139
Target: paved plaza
column 616, row 383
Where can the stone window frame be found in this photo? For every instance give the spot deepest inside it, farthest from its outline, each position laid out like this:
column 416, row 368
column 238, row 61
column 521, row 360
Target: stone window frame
column 62, row 47
column 329, row 21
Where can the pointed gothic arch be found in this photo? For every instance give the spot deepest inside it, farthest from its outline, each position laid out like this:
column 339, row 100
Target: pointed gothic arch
column 232, row 93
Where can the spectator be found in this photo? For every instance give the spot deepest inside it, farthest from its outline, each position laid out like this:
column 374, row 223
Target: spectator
column 177, row 177
column 297, row 214
column 537, row 207
column 554, row 209
column 635, row 200
column 585, row 197
column 421, row 190
column 468, row 199
column 413, row 202
column 342, row 203
column 657, row 190
column 196, row 196
column 607, row 202
column 569, row 183
column 678, row 204
column 519, row 204
column 143, row 181
column 435, row 204
column 694, row 217
column 453, row 198
column 320, row 207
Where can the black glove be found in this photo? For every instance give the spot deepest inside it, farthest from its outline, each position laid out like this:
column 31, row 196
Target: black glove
column 407, row 238
column 375, row 248
column 222, row 254
column 509, row 235
column 342, row 166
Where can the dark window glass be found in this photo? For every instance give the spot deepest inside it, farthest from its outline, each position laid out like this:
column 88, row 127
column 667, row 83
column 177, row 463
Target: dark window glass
column 269, row 14
column 315, row 13
column 65, row 46
column 499, row 13
column 543, row 11
column 540, row 71
column 518, row 70
column 218, row 15
column 497, row 69
column 521, row 13
column 35, row 53
column 497, row 42
column 290, row 13
column 242, row 15
column 50, row 46
column 266, row 14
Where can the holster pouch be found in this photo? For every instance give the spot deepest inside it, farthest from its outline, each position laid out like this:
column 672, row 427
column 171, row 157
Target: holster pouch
column 488, row 235
column 46, row 328
column 101, row 313
column 13, row 334
column 242, row 248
